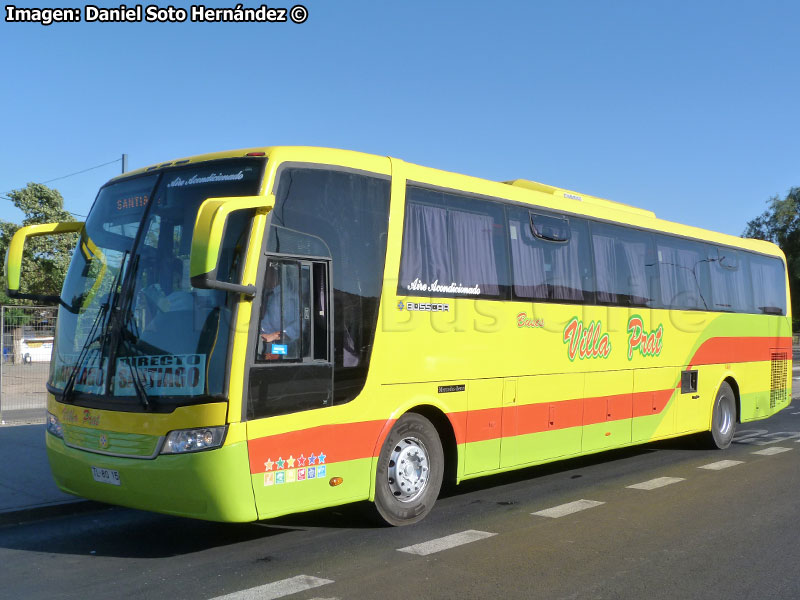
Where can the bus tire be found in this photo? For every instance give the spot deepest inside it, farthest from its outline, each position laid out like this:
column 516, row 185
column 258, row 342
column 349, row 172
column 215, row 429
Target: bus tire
column 723, row 418
column 410, row 471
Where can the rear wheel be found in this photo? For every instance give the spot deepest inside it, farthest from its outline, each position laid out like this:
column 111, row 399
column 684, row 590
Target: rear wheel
column 723, row 418
column 410, row 470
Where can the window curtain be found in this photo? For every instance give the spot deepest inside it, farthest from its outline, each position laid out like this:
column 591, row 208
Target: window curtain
column 473, row 258
column 566, row 275
column 636, row 257
column 605, row 262
column 425, row 249
column 768, row 285
column 528, row 263
column 677, row 276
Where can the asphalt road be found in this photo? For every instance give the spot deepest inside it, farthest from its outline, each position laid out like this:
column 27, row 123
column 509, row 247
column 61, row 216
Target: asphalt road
column 725, row 533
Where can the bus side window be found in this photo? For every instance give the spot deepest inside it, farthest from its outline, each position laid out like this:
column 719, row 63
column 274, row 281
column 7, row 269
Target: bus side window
column 550, row 257
column 731, row 289
column 769, row 284
column 624, row 262
column 683, row 273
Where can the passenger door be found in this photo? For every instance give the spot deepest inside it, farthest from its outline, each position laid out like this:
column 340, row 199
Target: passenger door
column 292, row 370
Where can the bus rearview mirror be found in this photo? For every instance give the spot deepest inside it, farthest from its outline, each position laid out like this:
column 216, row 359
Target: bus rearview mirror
column 208, row 235
column 13, row 265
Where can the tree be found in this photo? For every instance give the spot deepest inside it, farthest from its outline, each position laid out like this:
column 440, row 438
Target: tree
column 46, row 258
column 780, row 224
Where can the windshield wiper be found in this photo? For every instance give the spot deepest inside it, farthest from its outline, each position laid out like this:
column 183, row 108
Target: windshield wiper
column 129, row 337
column 66, row 394
column 139, row 386
column 100, row 322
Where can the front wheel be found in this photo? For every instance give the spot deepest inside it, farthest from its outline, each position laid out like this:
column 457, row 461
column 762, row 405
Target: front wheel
column 723, row 418
column 410, row 471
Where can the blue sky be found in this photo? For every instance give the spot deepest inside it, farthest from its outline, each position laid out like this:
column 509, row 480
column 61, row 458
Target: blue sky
column 686, row 108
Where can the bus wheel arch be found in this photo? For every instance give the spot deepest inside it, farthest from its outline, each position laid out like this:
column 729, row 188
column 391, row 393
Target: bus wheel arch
column 448, row 438
column 411, row 466
column 737, row 397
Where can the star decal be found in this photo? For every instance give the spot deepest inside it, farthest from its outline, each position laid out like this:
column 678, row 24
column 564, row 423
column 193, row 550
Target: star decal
column 321, row 458
column 311, row 458
column 280, row 463
column 290, row 462
column 268, row 464
column 301, row 462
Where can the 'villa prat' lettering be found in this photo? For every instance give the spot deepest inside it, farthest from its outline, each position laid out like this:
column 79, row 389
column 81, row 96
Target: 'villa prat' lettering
column 648, row 344
column 586, row 341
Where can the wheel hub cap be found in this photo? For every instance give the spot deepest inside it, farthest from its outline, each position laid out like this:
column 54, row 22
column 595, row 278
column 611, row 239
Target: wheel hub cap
column 408, row 469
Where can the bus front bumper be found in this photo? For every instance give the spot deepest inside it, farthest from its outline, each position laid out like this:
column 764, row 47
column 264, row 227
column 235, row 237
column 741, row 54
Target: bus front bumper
column 213, row 485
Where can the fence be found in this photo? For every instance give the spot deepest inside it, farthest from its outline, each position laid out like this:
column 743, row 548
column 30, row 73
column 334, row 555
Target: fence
column 25, row 349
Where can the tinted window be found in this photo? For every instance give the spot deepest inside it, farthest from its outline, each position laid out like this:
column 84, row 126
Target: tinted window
column 350, row 213
column 168, row 338
column 769, row 285
column 550, row 270
column 452, row 246
column 281, row 327
column 683, row 273
column 730, row 280
column 625, row 265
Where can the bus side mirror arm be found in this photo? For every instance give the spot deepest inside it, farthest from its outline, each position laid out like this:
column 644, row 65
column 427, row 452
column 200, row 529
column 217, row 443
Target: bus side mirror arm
column 209, row 231
column 13, row 266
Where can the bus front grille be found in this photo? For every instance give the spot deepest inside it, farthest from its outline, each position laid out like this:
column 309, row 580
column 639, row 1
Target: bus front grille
column 112, row 443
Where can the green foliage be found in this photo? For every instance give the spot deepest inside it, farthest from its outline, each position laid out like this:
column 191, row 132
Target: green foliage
column 780, row 224
column 46, row 258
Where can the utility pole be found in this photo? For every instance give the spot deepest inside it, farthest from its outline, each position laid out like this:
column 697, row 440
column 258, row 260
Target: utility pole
column 124, row 162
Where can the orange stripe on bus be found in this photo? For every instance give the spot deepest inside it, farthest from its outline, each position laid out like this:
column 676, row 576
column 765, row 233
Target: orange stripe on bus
column 486, row 424
column 651, row 403
column 719, row 350
column 345, row 441
column 352, row 441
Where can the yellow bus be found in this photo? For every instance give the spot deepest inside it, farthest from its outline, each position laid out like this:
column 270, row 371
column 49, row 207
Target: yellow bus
column 248, row 334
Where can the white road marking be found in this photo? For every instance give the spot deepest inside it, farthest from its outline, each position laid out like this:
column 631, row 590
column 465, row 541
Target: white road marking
column 656, row 483
column 772, row 450
column 277, row 589
column 797, row 413
column 447, row 542
column 722, row 464
column 567, row 509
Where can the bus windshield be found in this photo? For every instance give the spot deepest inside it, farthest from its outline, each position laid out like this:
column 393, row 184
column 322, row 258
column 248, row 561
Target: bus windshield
column 131, row 329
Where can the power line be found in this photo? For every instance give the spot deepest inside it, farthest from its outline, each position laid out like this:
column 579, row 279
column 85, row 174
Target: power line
column 111, row 162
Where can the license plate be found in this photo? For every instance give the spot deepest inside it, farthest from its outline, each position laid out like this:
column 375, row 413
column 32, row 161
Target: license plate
column 106, row 475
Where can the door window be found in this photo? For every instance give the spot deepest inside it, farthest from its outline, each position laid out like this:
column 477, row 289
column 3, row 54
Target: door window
column 293, row 321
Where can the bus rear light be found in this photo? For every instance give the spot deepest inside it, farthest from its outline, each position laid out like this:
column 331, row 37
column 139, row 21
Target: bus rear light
column 182, row 441
column 256, row 154
column 54, row 426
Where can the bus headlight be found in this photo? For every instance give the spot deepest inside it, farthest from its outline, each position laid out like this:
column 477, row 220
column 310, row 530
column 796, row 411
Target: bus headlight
column 54, row 426
column 193, row 440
